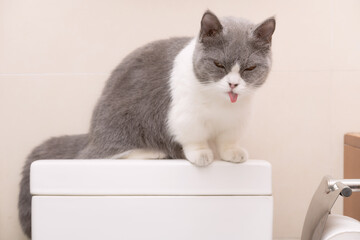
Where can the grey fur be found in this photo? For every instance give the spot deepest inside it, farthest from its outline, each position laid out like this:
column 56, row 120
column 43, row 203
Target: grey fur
column 65, row 147
column 132, row 110
column 235, row 41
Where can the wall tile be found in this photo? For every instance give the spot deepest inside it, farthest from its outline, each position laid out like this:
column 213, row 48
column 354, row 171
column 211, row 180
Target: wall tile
column 91, row 36
column 345, row 35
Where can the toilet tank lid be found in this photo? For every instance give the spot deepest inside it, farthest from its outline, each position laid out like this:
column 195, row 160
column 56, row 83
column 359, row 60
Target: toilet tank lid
column 148, row 177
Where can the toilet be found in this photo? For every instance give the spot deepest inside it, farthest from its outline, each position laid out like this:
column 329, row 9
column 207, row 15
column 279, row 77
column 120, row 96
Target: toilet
column 150, row 199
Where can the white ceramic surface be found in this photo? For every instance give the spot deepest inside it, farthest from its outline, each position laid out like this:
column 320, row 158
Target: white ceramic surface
column 150, row 199
column 152, row 218
column 149, row 177
column 340, row 227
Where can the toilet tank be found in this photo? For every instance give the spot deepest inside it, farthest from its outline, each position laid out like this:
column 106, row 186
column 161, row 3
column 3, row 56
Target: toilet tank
column 150, row 199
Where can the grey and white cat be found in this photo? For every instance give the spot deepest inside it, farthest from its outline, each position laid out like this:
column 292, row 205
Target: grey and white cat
column 175, row 98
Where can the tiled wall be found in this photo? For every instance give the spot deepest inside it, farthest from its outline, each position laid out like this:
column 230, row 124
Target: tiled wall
column 56, row 55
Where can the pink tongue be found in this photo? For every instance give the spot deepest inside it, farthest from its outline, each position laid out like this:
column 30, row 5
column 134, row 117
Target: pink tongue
column 233, row 97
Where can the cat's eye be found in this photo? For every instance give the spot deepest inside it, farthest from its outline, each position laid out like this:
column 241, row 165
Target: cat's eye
column 250, row 68
column 219, row 65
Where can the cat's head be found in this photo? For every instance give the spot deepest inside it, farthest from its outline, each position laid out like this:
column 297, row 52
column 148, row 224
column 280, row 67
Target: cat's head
column 233, row 56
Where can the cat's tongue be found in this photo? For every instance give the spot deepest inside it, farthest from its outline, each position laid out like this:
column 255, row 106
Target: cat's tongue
column 233, row 97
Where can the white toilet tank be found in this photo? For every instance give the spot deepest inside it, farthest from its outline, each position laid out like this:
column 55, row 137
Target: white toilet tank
column 150, row 200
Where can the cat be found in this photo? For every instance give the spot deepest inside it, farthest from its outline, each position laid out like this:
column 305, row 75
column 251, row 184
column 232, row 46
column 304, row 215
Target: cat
column 176, row 98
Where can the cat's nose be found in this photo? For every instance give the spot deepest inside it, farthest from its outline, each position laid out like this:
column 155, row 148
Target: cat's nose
column 232, row 86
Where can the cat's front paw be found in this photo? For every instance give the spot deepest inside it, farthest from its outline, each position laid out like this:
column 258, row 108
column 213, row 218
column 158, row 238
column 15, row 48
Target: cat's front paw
column 200, row 157
column 236, row 155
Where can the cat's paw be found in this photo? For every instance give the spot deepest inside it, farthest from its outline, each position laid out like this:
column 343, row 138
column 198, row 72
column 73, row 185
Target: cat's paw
column 235, row 155
column 200, row 157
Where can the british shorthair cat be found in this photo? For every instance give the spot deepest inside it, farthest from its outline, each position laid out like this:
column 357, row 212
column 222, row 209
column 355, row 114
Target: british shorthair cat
column 175, row 98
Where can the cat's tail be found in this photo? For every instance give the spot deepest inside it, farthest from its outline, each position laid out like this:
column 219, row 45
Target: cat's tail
column 64, row 147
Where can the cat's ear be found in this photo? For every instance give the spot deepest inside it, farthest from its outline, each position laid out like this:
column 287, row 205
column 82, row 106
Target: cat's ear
column 264, row 31
column 210, row 26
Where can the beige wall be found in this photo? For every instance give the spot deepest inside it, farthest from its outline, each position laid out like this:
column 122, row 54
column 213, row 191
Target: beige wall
column 56, row 55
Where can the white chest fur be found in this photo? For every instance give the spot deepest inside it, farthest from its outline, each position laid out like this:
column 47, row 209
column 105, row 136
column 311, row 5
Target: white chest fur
column 200, row 113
